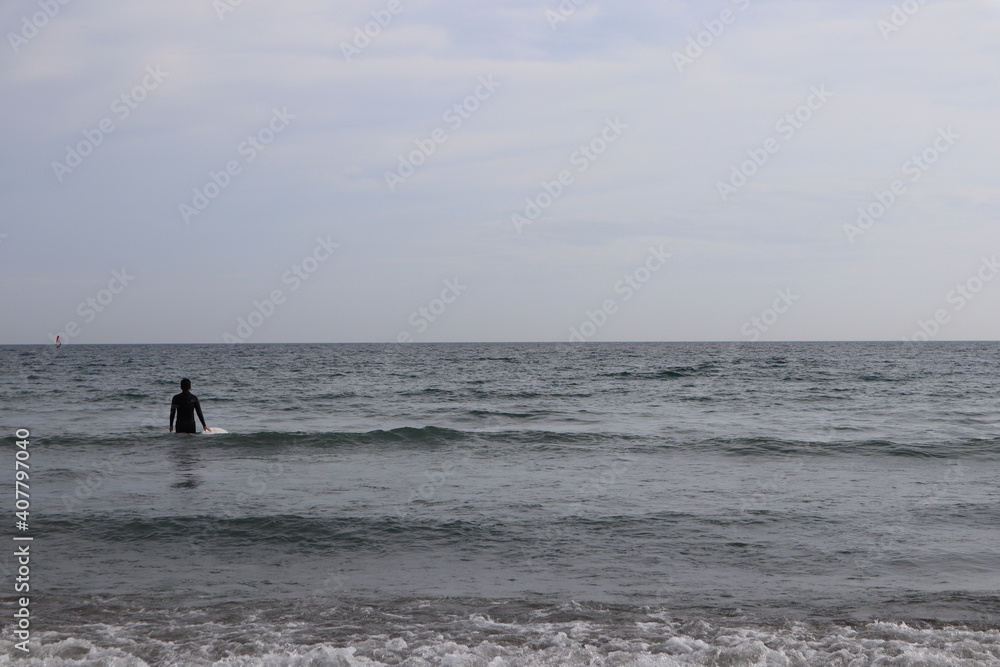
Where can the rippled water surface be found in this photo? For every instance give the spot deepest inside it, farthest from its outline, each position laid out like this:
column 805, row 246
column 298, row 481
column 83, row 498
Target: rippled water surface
column 530, row 503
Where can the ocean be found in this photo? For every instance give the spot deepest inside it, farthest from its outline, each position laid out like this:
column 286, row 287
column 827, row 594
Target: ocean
column 508, row 504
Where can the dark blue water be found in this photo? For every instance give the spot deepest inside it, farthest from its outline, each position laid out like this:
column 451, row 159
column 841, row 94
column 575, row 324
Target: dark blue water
column 514, row 504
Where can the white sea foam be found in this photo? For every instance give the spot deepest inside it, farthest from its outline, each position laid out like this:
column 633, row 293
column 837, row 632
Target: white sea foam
column 578, row 643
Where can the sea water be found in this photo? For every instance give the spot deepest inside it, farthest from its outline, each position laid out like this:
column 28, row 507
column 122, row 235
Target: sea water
column 509, row 504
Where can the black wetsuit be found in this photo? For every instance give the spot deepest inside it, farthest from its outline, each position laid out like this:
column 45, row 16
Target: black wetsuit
column 184, row 406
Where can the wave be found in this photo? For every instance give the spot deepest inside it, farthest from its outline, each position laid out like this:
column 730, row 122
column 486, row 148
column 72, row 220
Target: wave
column 498, row 443
column 762, row 446
column 535, row 414
column 403, row 527
column 428, row 391
column 128, row 396
column 424, row 437
column 323, row 533
column 545, row 395
column 480, row 632
column 406, row 436
column 663, row 374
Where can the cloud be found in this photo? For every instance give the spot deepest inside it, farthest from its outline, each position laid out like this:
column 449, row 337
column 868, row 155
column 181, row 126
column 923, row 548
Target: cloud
column 356, row 117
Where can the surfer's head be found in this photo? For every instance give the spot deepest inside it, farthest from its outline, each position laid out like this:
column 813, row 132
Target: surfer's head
column 185, row 384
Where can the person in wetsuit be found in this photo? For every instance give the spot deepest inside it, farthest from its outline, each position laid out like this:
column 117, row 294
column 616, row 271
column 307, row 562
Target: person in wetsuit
column 183, row 406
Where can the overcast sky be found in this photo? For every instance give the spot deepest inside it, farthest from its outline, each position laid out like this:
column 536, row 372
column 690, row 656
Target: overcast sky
column 421, row 170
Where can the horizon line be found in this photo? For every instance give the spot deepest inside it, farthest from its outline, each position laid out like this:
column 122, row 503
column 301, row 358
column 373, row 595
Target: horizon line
column 530, row 342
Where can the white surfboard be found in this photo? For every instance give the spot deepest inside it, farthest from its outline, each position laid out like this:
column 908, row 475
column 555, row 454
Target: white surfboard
column 215, row 430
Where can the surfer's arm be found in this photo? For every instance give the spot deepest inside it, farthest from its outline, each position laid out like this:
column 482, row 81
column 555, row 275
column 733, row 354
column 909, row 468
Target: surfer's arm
column 197, row 407
column 173, row 412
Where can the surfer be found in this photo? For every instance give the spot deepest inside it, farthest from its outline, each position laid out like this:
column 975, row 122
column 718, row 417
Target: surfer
column 184, row 405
